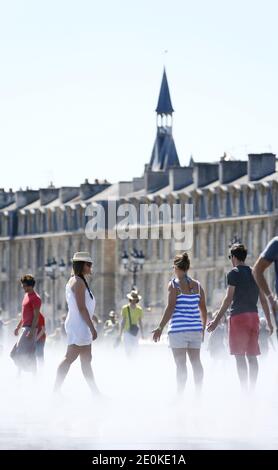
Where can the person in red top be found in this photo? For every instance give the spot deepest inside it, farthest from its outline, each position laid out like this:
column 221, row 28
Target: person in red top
column 23, row 352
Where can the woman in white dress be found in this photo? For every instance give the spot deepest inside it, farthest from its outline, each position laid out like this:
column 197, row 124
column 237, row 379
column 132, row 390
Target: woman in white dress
column 79, row 326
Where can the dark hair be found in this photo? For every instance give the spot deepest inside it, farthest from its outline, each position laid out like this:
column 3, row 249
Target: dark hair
column 28, row 280
column 182, row 261
column 239, row 251
column 77, row 267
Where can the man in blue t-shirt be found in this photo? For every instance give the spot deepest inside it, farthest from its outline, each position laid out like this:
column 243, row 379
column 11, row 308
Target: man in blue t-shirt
column 267, row 257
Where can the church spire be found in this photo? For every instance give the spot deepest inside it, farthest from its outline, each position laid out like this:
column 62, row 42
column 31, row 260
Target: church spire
column 164, row 105
column 164, row 154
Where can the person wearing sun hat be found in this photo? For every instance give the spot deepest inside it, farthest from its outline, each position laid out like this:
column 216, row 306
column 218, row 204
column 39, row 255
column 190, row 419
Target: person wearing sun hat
column 131, row 324
column 79, row 325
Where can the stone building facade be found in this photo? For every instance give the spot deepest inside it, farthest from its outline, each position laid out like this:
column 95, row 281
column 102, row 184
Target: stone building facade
column 231, row 198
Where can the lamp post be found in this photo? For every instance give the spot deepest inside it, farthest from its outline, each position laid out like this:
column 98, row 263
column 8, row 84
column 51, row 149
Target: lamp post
column 133, row 262
column 54, row 271
column 235, row 239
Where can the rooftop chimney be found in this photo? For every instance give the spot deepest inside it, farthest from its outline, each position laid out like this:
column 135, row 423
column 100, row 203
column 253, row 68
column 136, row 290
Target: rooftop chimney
column 261, row 165
column 179, row 177
column 24, row 198
column 205, row 173
column 48, row 194
column 230, row 170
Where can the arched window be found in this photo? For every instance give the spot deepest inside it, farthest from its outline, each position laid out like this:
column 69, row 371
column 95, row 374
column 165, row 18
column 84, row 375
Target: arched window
column 221, row 280
column 147, row 290
column 221, row 203
column 209, row 288
column 221, row 242
column 196, row 245
column 4, row 258
column 250, row 241
column 49, row 252
column 275, row 233
column 264, row 239
column 249, row 198
column 264, row 199
column 160, row 249
column 159, row 289
column 81, row 245
column 30, row 256
column 196, row 206
column 209, row 204
column 235, row 200
column 172, row 248
column 209, row 242
column 4, row 296
column 149, row 249
column 20, row 257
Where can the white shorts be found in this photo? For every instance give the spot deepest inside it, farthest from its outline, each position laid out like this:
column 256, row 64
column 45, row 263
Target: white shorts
column 185, row 339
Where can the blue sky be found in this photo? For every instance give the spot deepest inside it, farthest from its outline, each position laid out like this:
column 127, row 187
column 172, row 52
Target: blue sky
column 80, row 79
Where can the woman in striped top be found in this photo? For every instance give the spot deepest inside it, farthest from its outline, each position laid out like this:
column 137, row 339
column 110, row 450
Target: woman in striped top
column 187, row 313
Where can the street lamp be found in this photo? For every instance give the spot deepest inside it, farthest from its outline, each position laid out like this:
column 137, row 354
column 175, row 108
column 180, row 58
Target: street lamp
column 54, row 271
column 235, row 239
column 133, row 262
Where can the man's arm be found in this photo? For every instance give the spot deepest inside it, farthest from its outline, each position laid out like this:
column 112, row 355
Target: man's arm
column 266, row 310
column 203, row 310
column 226, row 302
column 16, row 331
column 258, row 272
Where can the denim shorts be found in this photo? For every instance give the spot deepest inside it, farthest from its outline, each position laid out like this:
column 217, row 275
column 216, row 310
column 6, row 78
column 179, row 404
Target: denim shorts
column 185, row 339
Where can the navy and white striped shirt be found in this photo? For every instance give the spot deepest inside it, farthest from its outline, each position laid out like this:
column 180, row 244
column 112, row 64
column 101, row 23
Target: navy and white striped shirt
column 186, row 316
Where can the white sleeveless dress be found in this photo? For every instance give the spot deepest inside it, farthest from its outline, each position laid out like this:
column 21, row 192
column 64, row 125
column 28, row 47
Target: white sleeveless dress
column 76, row 328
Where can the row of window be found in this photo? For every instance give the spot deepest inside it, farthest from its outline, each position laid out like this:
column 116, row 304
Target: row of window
column 217, row 243
column 207, row 205
column 235, row 203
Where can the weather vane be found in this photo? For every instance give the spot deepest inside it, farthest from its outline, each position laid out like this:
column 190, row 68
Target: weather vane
column 165, row 52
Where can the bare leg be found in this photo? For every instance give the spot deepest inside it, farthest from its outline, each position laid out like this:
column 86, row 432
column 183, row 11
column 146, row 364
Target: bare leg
column 86, row 359
column 198, row 371
column 180, row 360
column 71, row 355
column 242, row 370
column 253, row 370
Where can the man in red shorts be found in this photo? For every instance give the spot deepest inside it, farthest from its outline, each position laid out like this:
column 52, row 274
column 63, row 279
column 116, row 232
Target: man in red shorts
column 243, row 294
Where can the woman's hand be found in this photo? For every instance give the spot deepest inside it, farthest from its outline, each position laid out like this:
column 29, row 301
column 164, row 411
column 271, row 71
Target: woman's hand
column 94, row 333
column 273, row 303
column 212, row 325
column 30, row 334
column 157, row 334
column 270, row 327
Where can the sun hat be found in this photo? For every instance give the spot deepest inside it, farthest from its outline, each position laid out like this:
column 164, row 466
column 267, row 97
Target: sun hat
column 133, row 295
column 82, row 256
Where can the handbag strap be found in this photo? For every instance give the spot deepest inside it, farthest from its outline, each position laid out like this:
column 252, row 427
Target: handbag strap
column 86, row 284
column 129, row 316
